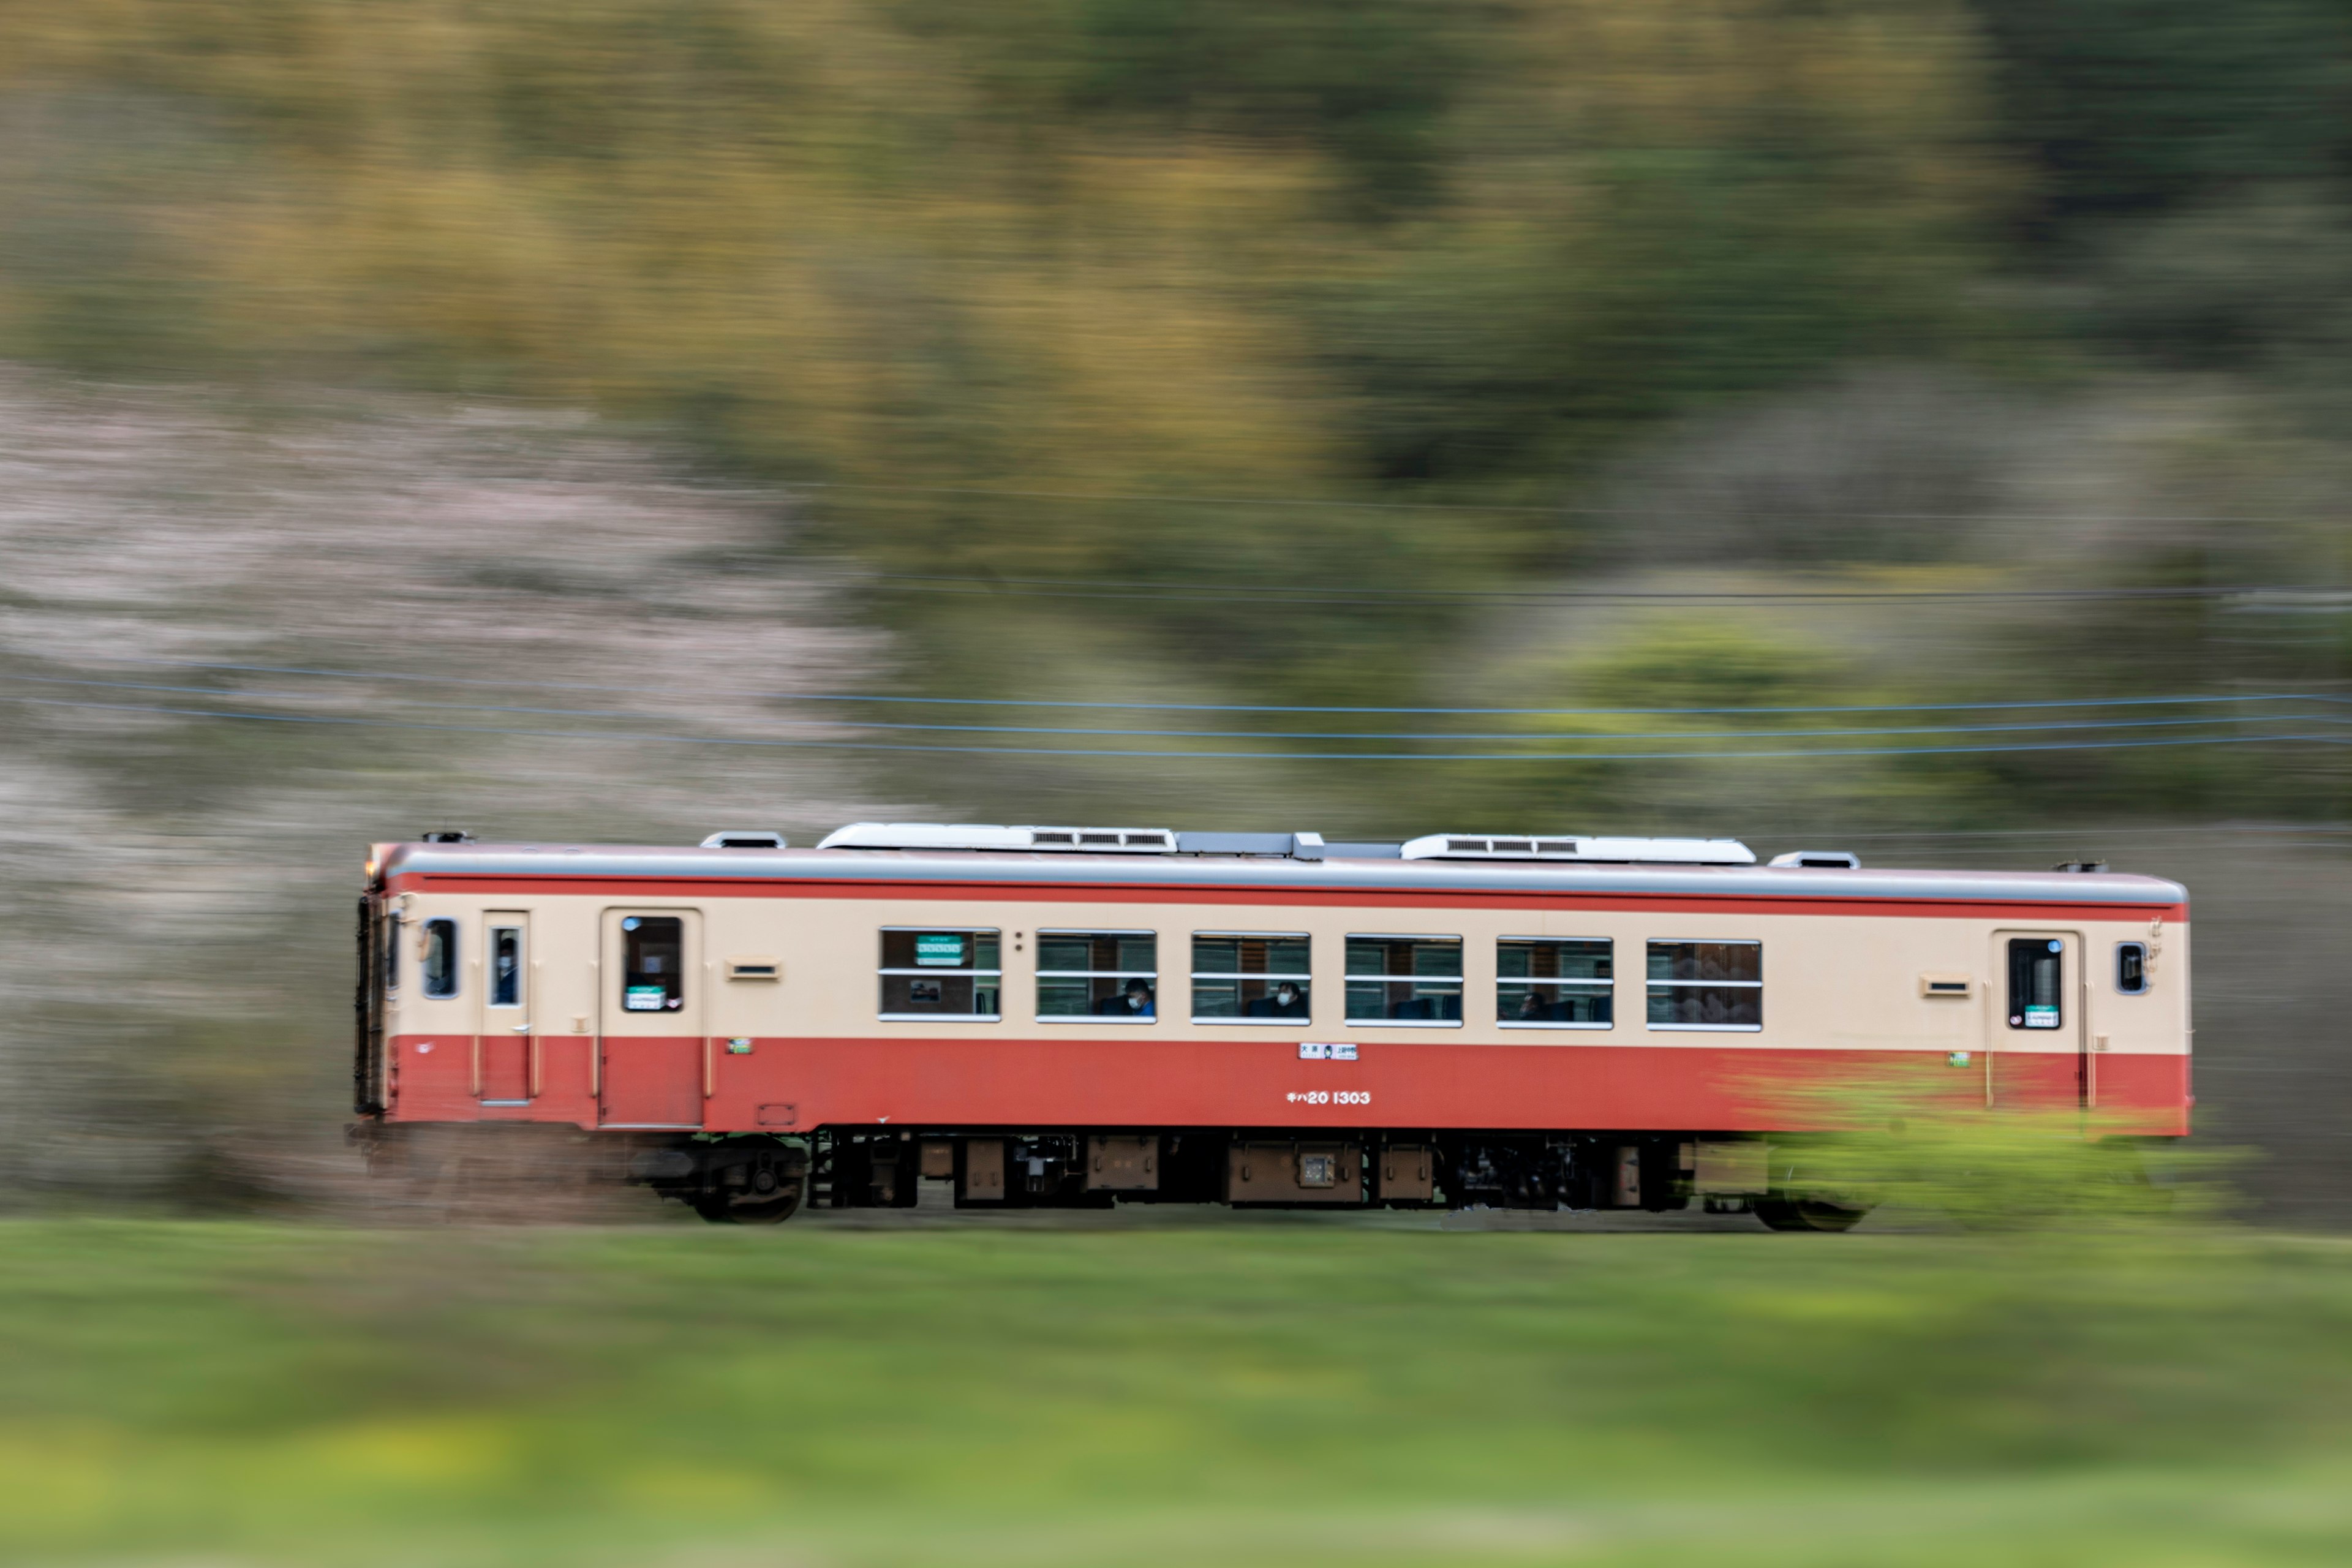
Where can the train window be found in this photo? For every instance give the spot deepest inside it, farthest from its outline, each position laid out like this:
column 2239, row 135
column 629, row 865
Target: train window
column 928, row 974
column 391, row 951
column 2036, row 973
column 440, row 958
column 652, row 963
column 1707, row 986
column 1404, row 980
column 2131, row 968
column 505, row 966
column 1246, row 977
column 1107, row 975
column 1554, row 983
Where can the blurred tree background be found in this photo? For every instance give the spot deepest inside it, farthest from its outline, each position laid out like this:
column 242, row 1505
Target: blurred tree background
column 1359, row 310
column 1412, row 354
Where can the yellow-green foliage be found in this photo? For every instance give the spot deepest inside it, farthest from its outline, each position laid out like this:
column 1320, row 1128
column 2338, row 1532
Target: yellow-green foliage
column 1117, row 244
column 1924, row 1141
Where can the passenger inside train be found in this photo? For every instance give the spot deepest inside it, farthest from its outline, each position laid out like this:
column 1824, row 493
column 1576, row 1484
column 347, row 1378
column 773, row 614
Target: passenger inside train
column 1135, row 1002
column 1285, row 1001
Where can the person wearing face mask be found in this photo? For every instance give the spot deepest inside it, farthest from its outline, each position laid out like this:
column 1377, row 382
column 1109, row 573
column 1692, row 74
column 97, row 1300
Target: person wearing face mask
column 1134, row 1001
column 1285, row 1001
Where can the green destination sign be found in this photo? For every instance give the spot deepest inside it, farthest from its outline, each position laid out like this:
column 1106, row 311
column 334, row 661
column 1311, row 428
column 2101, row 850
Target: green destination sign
column 943, row 949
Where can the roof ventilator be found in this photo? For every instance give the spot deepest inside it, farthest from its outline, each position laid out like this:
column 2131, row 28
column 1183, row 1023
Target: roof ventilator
column 1278, row 845
column 745, row 838
column 2091, row 865
column 446, row 836
column 1497, row 846
column 1818, row 860
column 983, row 836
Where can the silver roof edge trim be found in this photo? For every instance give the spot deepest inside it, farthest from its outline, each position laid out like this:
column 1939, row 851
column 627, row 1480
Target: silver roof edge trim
column 1532, row 879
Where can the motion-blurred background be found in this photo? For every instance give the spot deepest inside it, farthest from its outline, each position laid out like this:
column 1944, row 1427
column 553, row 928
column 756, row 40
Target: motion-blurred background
column 1903, row 426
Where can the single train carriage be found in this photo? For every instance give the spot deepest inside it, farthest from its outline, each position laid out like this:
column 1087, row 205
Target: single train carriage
column 1025, row 1016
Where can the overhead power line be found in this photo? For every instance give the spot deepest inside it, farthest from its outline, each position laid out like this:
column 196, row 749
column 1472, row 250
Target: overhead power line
column 990, row 586
column 1165, row 755
column 2186, row 700
column 1334, row 503
column 1531, row 737
column 2119, row 829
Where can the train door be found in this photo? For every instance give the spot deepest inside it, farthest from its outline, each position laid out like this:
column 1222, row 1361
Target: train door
column 2037, row 1017
column 650, row 1046
column 505, row 1048
column 379, row 940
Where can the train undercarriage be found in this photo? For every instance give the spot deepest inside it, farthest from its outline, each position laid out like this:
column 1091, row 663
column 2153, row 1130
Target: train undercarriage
column 761, row 1179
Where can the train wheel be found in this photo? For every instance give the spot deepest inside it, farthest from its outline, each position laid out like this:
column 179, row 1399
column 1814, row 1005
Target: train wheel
column 768, row 1210
column 757, row 1211
column 1807, row 1213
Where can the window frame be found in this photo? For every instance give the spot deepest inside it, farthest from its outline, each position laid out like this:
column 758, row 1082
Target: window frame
column 884, row 971
column 631, row 978
column 2146, row 981
column 1756, row 985
column 1194, row 975
column 2019, row 1019
column 1610, row 985
column 1459, row 978
column 449, row 950
column 490, row 934
column 1043, row 974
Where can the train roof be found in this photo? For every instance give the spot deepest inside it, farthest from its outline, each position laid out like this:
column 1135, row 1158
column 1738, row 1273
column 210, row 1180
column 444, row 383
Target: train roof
column 1336, row 872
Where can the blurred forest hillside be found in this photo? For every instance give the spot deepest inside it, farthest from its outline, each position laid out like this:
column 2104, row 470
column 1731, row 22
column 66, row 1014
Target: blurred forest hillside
column 1746, row 398
column 1292, row 353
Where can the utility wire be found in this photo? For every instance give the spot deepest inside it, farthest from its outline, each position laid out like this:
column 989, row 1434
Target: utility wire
column 2111, row 829
column 1102, row 498
column 1112, row 588
column 1164, row 755
column 2185, row 700
column 1530, row 737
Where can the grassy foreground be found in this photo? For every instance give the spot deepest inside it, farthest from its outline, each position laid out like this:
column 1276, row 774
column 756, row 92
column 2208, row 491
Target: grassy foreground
column 1235, row 1391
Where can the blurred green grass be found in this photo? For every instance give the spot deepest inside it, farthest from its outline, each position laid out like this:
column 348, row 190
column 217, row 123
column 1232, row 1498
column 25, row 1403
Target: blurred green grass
column 1167, row 1390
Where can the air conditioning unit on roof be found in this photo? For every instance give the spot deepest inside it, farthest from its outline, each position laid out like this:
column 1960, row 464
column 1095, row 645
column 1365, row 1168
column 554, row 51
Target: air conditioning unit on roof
column 984, row 835
column 1818, row 860
column 1563, row 847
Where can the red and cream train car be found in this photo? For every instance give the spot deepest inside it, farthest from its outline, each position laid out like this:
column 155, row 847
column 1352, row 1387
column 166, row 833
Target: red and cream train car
column 1031, row 1017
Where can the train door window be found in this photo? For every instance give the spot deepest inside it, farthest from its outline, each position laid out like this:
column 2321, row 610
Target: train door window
column 390, row 949
column 1555, row 983
column 1405, row 980
column 1112, row 975
column 440, row 958
column 928, row 974
column 1250, row 977
column 1705, row 985
column 652, row 963
column 505, row 966
column 2131, row 968
column 2036, row 978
